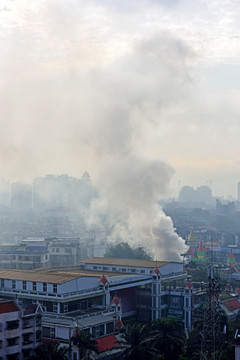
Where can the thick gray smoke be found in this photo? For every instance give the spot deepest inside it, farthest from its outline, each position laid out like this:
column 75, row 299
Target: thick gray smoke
column 135, row 92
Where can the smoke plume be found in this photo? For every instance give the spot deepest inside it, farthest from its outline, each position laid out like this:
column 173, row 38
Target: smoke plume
column 134, row 94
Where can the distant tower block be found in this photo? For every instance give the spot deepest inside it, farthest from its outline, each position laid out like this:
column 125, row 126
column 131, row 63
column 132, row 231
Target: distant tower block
column 231, row 259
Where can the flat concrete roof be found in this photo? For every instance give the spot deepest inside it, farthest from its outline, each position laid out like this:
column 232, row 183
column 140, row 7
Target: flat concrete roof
column 126, row 262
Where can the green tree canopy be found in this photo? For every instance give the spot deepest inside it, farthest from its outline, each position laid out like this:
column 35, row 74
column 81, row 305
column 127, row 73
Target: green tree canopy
column 84, row 343
column 137, row 343
column 125, row 251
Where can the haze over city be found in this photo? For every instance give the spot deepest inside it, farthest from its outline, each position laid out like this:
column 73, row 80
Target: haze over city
column 87, row 85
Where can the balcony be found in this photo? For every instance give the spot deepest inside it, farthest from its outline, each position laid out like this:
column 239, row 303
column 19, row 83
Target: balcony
column 11, row 333
column 10, row 350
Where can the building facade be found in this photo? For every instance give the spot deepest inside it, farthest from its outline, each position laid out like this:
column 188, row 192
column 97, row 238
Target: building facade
column 21, row 330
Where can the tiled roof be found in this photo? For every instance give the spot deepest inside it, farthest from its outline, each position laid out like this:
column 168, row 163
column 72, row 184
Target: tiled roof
column 7, row 307
column 232, row 304
column 107, row 343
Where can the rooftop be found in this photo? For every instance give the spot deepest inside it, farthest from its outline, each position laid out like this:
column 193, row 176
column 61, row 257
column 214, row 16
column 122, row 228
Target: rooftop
column 32, row 275
column 232, row 304
column 106, row 343
column 126, row 262
column 59, row 276
column 8, row 306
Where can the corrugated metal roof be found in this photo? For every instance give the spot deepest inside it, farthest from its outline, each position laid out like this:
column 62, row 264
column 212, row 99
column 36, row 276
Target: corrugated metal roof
column 126, row 262
column 59, row 277
column 31, row 275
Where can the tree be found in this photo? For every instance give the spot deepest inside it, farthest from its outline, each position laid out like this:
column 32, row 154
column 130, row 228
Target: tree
column 50, row 352
column 137, row 343
column 170, row 338
column 125, row 251
column 84, row 342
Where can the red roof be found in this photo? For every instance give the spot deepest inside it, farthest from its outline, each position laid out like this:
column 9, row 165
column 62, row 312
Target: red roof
column 232, row 304
column 106, row 343
column 7, row 307
column 231, row 254
column 200, row 248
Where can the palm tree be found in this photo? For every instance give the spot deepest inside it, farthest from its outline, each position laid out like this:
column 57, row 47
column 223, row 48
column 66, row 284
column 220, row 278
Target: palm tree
column 170, row 338
column 137, row 343
column 50, row 352
column 84, row 342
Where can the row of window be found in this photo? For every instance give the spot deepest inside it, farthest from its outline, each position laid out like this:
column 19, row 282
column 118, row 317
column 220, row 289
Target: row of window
column 66, row 250
column 27, row 339
column 105, row 268
column 33, row 287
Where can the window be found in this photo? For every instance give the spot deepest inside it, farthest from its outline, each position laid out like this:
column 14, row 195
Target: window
column 24, row 285
column 34, row 284
column 54, row 288
column 27, row 339
column 142, row 271
column 13, row 284
column 105, row 268
column 48, row 332
column 124, row 269
column 44, row 286
column 26, row 323
column 55, row 307
column 109, row 328
column 114, row 269
column 95, row 267
column 52, row 332
column 68, row 251
column 133, row 270
column 11, row 325
column 2, row 283
column 57, row 250
column 0, row 344
column 187, row 302
column 12, row 341
column 38, row 335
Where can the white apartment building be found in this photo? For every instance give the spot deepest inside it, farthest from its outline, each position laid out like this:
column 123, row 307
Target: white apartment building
column 20, row 330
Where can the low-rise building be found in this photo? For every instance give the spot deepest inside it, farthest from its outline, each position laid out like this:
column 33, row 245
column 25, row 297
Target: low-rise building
column 101, row 293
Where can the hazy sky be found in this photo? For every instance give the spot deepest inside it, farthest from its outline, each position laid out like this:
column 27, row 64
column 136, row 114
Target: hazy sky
column 83, row 83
